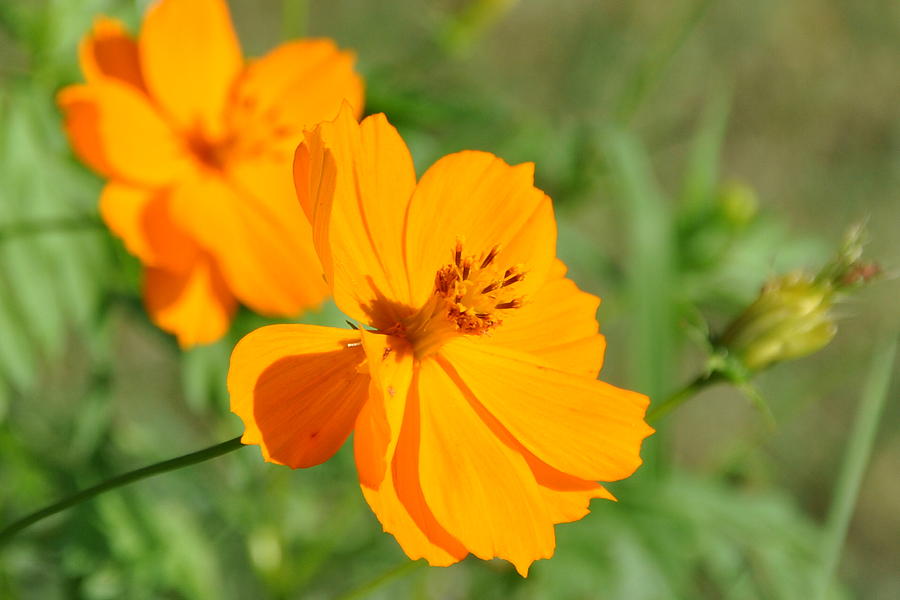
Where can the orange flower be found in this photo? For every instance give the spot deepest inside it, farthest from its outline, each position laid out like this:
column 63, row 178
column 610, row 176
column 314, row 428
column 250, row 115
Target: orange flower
column 471, row 389
column 197, row 147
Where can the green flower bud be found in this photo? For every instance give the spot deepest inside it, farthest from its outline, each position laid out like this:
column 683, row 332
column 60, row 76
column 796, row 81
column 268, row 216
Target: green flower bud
column 789, row 319
column 738, row 203
column 791, row 316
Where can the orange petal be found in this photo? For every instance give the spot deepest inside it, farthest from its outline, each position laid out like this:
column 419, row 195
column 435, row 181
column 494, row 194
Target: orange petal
column 191, row 57
column 396, row 520
column 481, row 490
column 141, row 217
column 114, row 129
column 110, row 51
column 390, row 364
column 355, row 182
column 567, row 498
column 268, row 189
column 375, row 437
column 479, row 200
column 194, row 305
column 578, row 425
column 264, row 256
column 294, row 87
column 557, row 324
column 371, row 437
column 298, row 390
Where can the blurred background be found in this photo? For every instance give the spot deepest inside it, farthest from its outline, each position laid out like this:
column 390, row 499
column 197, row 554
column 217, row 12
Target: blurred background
column 693, row 150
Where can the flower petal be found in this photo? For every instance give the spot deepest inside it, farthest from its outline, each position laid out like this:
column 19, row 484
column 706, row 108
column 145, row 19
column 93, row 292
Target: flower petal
column 558, row 324
column 268, row 189
column 391, row 365
column 141, row 217
column 567, row 498
column 114, row 129
column 375, row 438
column 190, row 57
column 396, row 520
column 110, row 51
column 294, row 87
column 479, row 488
column 298, row 390
column 195, row 305
column 263, row 254
column 479, row 200
column 355, row 182
column 578, row 425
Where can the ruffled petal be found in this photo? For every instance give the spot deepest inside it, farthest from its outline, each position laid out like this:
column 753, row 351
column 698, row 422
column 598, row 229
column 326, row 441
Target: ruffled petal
column 141, row 217
column 395, row 518
column 578, row 425
column 557, row 324
column 477, row 199
column 298, row 389
column 479, row 489
column 194, row 304
column 110, row 51
column 294, row 87
column 191, row 57
column 114, row 129
column 401, row 510
column 567, row 498
column 390, row 362
column 262, row 251
column 354, row 182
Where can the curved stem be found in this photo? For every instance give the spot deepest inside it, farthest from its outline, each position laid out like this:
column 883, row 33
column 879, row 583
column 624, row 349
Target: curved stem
column 110, row 484
column 390, row 574
column 683, row 395
column 50, row 225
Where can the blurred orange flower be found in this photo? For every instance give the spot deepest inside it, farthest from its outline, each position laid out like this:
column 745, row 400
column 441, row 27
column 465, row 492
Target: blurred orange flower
column 197, row 146
column 471, row 390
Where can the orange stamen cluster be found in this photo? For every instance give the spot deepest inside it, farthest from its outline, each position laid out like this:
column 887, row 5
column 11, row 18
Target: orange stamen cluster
column 246, row 136
column 212, row 154
column 477, row 290
column 470, row 296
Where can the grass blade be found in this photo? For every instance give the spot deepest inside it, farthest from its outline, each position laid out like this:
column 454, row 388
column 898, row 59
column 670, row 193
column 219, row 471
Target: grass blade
column 651, row 270
column 856, row 458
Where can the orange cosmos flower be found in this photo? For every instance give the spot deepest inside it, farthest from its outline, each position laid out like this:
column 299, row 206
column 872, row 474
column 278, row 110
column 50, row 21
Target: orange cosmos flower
column 197, row 147
column 471, row 388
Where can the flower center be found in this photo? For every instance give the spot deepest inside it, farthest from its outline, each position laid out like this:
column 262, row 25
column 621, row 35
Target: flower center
column 471, row 295
column 210, row 154
column 250, row 131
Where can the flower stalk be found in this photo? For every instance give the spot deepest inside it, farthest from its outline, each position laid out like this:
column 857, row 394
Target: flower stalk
column 690, row 390
column 124, row 479
column 50, row 225
column 791, row 318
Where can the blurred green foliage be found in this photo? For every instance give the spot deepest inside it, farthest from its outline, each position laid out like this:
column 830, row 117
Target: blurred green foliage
column 693, row 149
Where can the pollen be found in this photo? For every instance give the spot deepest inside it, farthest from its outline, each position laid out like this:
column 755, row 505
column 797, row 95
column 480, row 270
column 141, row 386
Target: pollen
column 476, row 291
column 472, row 295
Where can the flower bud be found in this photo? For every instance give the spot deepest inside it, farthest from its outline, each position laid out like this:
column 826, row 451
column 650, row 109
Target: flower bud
column 738, row 204
column 789, row 319
column 791, row 316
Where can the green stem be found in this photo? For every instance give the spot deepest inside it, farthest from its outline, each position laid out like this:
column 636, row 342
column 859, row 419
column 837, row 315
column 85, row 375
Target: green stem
column 856, row 457
column 654, row 65
column 683, row 395
column 110, row 484
column 61, row 224
column 380, row 580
